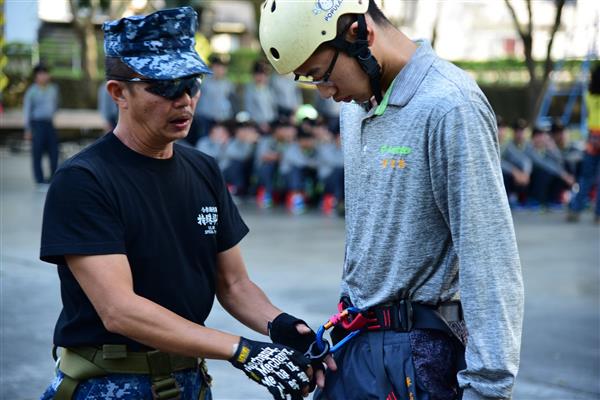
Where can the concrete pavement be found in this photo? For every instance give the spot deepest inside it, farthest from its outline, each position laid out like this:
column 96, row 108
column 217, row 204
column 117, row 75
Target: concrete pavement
column 297, row 261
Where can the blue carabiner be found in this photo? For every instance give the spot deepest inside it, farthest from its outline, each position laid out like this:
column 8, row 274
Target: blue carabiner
column 322, row 344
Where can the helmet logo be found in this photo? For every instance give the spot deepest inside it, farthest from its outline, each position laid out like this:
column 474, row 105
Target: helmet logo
column 330, row 7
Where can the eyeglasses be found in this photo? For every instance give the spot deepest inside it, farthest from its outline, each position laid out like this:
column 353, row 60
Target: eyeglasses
column 324, row 81
column 170, row 89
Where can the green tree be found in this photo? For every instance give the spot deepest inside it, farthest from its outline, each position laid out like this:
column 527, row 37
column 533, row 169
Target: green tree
column 525, row 30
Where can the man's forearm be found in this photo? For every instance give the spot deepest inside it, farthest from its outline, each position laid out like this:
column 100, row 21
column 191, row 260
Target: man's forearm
column 153, row 325
column 248, row 304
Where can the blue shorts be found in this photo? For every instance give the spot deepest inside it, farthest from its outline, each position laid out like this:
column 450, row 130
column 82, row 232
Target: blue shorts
column 130, row 387
column 388, row 365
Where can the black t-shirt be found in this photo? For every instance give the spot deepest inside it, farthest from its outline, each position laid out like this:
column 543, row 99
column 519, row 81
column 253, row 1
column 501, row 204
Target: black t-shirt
column 170, row 217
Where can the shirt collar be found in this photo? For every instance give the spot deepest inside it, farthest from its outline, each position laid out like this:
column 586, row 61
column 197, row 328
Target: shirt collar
column 411, row 75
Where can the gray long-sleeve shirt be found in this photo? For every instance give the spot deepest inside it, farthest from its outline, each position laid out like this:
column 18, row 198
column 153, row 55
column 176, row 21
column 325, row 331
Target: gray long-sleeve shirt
column 40, row 104
column 427, row 216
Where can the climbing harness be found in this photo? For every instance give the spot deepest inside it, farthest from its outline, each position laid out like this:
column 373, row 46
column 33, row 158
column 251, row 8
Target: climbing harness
column 402, row 316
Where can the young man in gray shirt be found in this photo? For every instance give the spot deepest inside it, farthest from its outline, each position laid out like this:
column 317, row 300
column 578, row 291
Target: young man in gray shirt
column 427, row 219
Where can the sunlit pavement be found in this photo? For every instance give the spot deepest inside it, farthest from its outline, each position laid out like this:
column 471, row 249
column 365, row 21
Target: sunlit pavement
column 297, row 261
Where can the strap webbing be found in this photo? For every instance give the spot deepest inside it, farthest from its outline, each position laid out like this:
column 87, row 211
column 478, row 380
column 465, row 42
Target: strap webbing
column 66, row 389
column 82, row 363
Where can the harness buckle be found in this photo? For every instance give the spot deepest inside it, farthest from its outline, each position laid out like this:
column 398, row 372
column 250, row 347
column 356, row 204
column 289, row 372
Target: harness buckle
column 166, row 388
column 405, row 312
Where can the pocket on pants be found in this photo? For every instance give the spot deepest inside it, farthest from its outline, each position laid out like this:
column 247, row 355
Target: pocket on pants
column 435, row 356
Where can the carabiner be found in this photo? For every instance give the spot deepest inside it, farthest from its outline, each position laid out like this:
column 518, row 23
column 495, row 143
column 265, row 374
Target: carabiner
column 336, row 319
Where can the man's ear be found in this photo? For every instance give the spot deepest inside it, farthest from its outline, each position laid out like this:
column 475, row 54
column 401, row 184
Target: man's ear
column 352, row 33
column 119, row 93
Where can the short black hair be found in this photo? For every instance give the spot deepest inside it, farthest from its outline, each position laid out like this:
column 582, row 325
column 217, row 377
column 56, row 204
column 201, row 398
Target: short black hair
column 557, row 126
column 378, row 16
column 259, row 67
column 538, row 131
column 114, row 67
column 40, row 68
column 282, row 123
column 520, row 123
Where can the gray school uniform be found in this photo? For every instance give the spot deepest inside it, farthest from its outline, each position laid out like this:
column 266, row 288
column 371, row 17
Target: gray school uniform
column 427, row 216
column 329, row 156
column 516, row 155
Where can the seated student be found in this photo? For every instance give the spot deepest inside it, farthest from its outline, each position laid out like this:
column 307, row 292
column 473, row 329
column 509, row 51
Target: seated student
column 215, row 143
column 516, row 165
column 298, row 162
column 268, row 155
column 330, row 168
column 548, row 179
column 239, row 157
column 566, row 152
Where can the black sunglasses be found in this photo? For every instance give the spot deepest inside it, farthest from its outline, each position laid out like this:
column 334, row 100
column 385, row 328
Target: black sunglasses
column 170, row 89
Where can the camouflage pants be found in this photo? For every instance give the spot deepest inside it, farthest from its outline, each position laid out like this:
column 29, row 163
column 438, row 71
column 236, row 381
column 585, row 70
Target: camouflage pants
column 130, row 387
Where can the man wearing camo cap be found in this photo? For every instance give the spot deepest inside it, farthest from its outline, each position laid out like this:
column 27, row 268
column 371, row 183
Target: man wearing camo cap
column 144, row 235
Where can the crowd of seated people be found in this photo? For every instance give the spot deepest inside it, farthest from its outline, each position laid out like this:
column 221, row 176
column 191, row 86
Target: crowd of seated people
column 540, row 167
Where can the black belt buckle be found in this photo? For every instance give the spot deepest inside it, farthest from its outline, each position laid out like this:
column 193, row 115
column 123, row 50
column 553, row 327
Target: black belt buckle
column 405, row 315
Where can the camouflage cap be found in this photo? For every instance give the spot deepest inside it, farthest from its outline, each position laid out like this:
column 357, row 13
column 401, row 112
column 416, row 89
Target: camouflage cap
column 157, row 46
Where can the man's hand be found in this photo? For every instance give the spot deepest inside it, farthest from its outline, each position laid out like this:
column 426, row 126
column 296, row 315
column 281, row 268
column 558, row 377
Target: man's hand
column 293, row 332
column 27, row 135
column 282, row 370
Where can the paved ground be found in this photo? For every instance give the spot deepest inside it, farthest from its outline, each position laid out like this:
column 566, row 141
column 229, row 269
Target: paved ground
column 297, row 261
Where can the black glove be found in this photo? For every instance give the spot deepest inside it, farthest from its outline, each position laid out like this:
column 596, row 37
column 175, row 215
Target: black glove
column 283, row 330
column 280, row 369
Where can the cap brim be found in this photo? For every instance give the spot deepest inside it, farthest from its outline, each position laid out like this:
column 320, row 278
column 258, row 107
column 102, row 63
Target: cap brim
column 168, row 66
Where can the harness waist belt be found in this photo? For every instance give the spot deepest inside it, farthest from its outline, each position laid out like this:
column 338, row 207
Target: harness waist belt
column 82, row 363
column 112, row 359
column 405, row 316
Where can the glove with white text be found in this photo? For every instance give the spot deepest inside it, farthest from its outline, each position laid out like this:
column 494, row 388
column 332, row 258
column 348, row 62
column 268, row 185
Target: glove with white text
column 280, row 369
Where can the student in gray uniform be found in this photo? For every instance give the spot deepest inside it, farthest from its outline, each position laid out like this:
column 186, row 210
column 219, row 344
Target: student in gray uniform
column 269, row 151
column 298, row 164
column 239, row 157
column 258, row 98
column 215, row 144
column 216, row 103
column 428, row 226
column 549, row 178
column 39, row 107
column 516, row 165
column 330, row 167
column 287, row 95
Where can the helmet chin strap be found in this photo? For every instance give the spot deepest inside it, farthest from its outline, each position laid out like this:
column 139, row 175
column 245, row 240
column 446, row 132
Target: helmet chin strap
column 359, row 49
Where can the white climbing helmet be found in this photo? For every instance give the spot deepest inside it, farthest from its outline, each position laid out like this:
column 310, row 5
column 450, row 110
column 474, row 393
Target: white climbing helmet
column 291, row 30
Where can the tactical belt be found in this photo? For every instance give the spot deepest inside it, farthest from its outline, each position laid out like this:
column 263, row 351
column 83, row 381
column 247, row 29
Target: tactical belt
column 82, row 363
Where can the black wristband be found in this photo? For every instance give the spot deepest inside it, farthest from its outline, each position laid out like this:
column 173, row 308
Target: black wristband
column 283, row 330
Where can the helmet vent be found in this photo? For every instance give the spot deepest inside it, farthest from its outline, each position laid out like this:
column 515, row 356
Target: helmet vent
column 273, row 6
column 274, row 53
